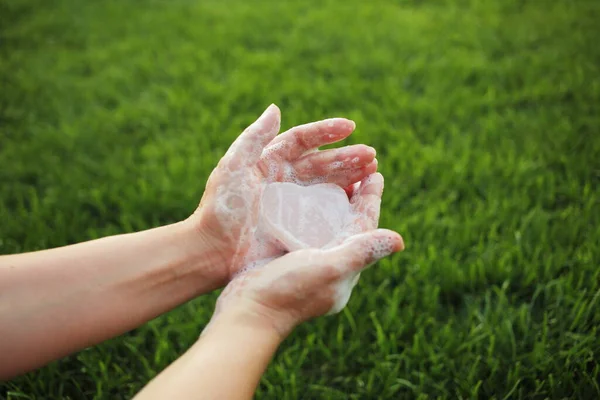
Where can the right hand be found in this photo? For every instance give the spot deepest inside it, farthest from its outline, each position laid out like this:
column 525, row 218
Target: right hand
column 303, row 284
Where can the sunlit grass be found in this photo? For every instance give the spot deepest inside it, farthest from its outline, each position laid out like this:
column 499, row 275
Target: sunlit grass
column 486, row 118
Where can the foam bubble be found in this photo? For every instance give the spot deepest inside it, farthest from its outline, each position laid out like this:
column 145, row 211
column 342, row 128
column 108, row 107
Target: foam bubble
column 381, row 247
column 289, row 173
column 270, row 150
column 314, row 181
column 335, row 165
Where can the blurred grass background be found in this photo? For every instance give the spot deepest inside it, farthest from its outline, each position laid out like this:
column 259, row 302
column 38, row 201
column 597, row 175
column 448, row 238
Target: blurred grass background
column 485, row 114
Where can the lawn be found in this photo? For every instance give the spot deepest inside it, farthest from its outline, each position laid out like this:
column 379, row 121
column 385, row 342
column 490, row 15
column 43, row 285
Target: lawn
column 486, row 118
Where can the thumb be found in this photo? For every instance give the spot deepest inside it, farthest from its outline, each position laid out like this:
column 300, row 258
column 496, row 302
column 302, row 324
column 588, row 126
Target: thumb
column 359, row 251
column 248, row 147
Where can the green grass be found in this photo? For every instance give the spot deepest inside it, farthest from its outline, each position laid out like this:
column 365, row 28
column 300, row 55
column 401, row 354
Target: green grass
column 486, row 117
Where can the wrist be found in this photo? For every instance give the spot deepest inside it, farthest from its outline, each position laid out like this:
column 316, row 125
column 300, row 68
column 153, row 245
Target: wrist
column 198, row 249
column 248, row 319
column 251, row 316
column 237, row 346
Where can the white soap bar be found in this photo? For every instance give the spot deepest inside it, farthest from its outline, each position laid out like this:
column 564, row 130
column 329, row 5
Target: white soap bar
column 316, row 216
column 300, row 217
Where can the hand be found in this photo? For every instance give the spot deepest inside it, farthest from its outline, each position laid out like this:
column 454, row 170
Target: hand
column 303, row 284
column 228, row 212
column 307, row 283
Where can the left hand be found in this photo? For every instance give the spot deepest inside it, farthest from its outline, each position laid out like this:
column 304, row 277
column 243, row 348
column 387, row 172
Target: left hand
column 228, row 212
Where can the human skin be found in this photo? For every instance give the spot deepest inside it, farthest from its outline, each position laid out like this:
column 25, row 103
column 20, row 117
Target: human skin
column 257, row 158
column 55, row 302
column 259, row 308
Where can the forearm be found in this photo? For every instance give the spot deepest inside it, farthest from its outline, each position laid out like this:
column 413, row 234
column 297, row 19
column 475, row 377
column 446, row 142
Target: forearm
column 227, row 362
column 57, row 301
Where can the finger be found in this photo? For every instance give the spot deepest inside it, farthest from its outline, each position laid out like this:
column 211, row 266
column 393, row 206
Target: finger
column 347, row 178
column 360, row 251
column 366, row 201
column 340, row 177
column 248, row 147
column 295, row 142
column 334, row 161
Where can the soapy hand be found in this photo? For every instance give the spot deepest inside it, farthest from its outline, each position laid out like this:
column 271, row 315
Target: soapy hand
column 228, row 213
column 303, row 284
